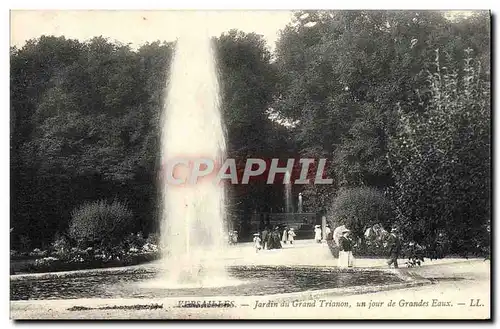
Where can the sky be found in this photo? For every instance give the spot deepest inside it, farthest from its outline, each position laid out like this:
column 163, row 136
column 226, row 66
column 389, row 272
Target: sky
column 139, row 27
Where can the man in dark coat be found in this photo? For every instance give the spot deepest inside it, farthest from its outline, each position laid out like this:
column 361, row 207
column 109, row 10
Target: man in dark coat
column 394, row 244
column 264, row 235
column 346, row 258
column 345, row 242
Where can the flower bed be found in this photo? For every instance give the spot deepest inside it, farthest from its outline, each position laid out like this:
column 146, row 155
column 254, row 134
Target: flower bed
column 52, row 264
column 62, row 256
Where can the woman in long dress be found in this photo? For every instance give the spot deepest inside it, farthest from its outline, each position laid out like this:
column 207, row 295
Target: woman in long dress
column 274, row 239
column 317, row 233
column 277, row 238
column 284, row 236
column 328, row 232
column 346, row 258
column 264, row 235
column 269, row 240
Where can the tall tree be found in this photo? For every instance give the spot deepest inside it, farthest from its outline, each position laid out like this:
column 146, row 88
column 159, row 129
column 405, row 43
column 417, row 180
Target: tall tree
column 341, row 74
column 440, row 159
column 88, row 130
column 247, row 86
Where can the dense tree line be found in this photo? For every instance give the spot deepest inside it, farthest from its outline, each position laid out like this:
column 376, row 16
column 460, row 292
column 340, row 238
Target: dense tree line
column 364, row 85
column 360, row 86
column 85, row 127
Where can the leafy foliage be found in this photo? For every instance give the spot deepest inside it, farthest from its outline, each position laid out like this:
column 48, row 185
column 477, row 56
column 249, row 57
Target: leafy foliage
column 342, row 88
column 85, row 126
column 440, row 159
column 100, row 222
column 248, row 80
column 360, row 208
column 349, row 85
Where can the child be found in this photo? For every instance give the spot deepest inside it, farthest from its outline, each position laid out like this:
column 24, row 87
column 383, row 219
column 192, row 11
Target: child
column 235, row 237
column 291, row 235
column 257, row 242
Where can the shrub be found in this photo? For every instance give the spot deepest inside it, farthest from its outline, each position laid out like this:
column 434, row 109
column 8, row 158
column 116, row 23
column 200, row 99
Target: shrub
column 360, row 208
column 135, row 241
column 100, row 222
column 25, row 243
column 61, row 247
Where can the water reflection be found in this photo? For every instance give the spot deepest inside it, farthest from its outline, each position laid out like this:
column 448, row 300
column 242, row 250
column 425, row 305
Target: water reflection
column 258, row 280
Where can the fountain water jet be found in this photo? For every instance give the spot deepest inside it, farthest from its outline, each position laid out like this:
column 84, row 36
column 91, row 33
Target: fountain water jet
column 288, row 193
column 192, row 232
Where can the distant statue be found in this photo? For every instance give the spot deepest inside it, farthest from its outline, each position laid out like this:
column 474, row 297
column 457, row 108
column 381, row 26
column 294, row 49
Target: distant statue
column 300, row 203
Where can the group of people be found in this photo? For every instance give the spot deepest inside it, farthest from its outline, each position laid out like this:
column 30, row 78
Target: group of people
column 318, row 236
column 272, row 239
column 232, row 237
column 346, row 244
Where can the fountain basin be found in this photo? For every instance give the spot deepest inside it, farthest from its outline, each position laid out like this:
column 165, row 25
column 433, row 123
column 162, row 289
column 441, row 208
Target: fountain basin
column 252, row 281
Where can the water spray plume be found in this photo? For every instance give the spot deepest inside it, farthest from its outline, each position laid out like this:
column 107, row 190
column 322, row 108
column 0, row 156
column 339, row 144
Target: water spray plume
column 192, row 232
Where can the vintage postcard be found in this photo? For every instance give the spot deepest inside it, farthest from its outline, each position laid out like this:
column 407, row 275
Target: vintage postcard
column 308, row 164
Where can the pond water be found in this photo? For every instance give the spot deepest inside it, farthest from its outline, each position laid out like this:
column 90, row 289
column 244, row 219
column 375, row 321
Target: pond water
column 255, row 281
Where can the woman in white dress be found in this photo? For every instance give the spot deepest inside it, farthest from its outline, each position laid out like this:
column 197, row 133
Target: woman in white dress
column 328, row 232
column 317, row 233
column 284, row 235
column 346, row 258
